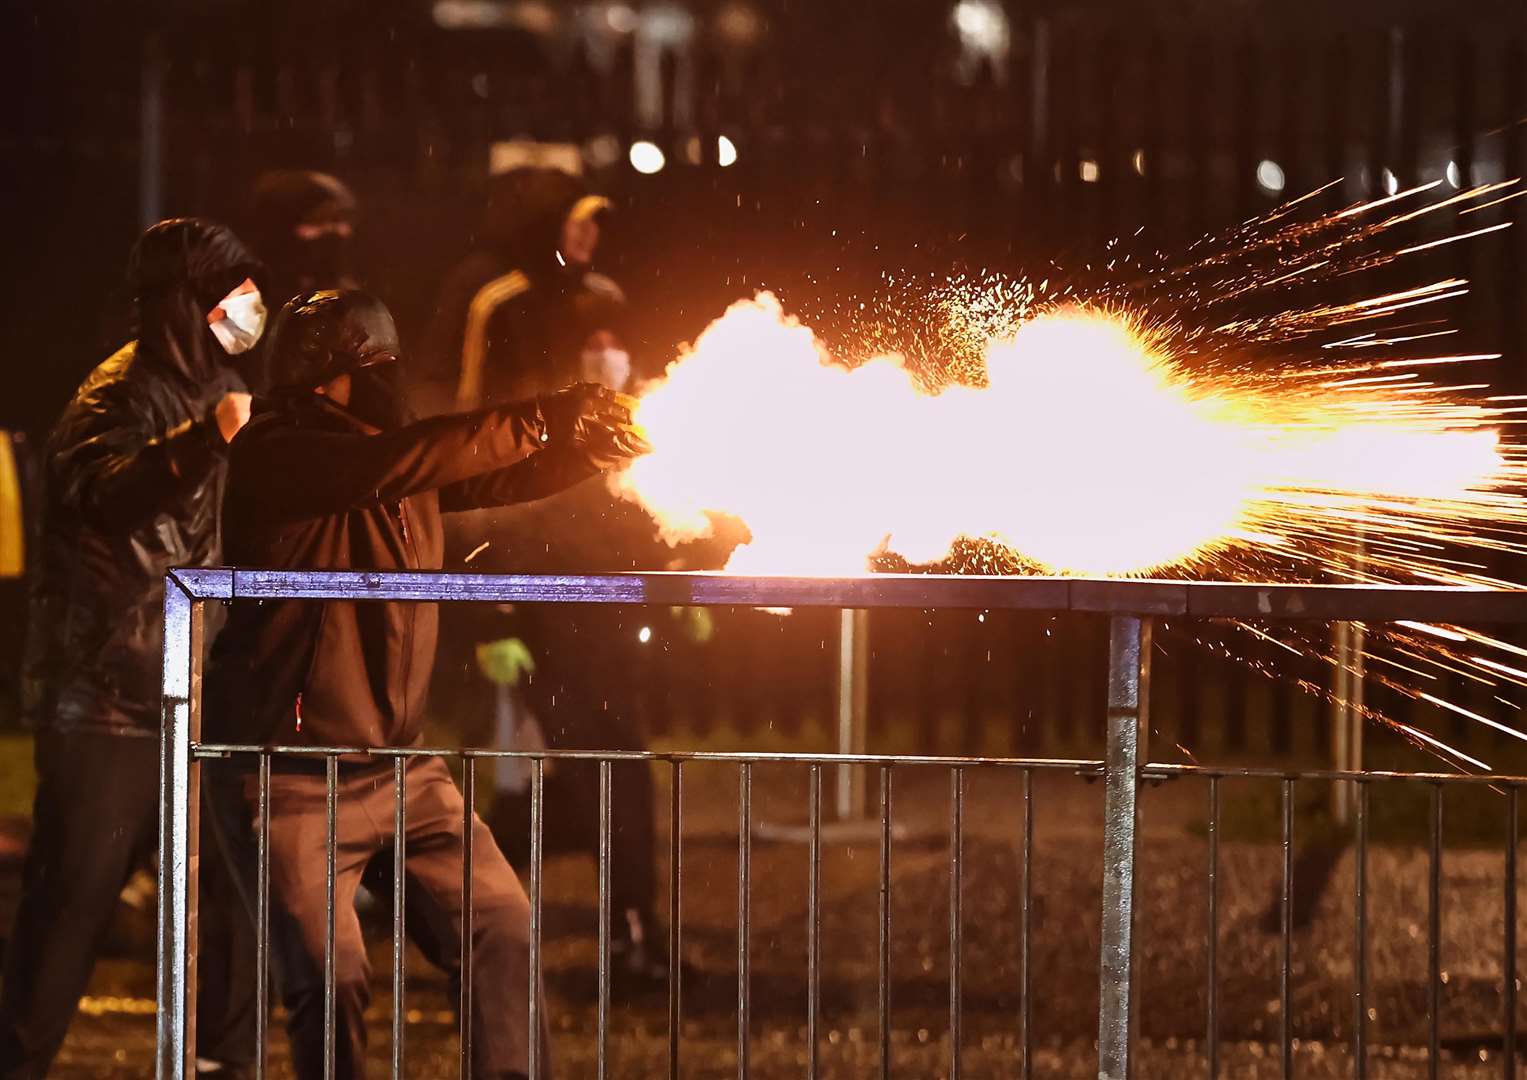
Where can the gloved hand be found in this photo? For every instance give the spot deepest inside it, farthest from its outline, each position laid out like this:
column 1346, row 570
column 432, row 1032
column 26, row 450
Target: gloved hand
column 593, row 419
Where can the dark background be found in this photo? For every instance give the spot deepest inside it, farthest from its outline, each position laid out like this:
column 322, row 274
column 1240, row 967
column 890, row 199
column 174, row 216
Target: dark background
column 869, row 140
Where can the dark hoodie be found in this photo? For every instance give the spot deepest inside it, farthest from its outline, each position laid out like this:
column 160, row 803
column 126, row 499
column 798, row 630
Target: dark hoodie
column 512, row 318
column 135, row 470
column 317, row 486
column 282, row 202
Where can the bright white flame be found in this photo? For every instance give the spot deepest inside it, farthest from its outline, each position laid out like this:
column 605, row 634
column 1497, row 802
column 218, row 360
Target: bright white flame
column 1090, row 451
column 726, row 151
column 1088, row 171
column 644, row 635
column 1270, row 176
column 1454, row 174
column 1137, row 160
column 646, row 157
column 1390, row 181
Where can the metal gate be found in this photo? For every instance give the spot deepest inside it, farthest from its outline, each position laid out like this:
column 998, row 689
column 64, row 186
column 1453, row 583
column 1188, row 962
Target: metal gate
column 1130, row 607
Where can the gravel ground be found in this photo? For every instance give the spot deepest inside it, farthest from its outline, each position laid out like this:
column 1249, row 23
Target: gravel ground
column 117, row 1039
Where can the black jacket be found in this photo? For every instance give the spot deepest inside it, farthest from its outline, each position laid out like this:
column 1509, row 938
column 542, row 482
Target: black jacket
column 134, row 475
column 512, row 318
column 312, row 487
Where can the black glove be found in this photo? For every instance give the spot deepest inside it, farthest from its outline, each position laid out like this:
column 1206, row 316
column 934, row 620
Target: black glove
column 614, row 445
column 569, row 416
column 591, row 418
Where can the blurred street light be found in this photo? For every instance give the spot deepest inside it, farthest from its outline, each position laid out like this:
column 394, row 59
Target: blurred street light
column 647, row 158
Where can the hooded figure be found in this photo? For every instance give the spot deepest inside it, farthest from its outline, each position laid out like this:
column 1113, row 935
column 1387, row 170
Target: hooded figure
column 302, row 225
column 329, row 474
column 134, row 475
column 525, row 313
column 135, row 470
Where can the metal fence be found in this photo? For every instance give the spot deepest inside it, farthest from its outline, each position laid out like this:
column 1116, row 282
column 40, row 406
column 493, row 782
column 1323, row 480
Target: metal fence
column 1129, row 607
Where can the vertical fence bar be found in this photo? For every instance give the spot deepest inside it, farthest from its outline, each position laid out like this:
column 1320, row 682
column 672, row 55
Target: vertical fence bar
column 399, row 925
column 956, row 911
column 744, row 873
column 331, row 853
column 179, row 785
column 814, row 922
column 537, row 804
column 468, row 802
column 1434, row 936
column 1510, row 957
column 1212, row 1035
column 1360, row 946
column 1128, row 708
column 1026, row 901
column 262, row 918
column 1286, row 932
column 884, row 958
column 675, row 909
column 602, row 1020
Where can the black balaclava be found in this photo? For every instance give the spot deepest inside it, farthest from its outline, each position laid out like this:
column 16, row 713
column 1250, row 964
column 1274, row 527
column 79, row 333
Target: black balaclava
column 321, row 335
column 178, row 271
column 282, row 202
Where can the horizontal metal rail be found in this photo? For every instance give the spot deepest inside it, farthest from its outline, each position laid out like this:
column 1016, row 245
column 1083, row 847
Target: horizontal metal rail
column 1198, row 599
column 1125, row 766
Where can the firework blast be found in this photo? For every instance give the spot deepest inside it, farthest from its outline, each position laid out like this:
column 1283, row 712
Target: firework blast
column 1097, row 437
column 1202, row 420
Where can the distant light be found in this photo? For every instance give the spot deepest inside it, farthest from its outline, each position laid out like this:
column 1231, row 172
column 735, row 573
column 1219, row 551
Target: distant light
column 981, row 617
column 666, row 23
column 644, row 635
column 602, row 151
column 692, row 150
column 646, row 158
column 620, row 18
column 1138, row 161
column 1088, row 171
column 1270, row 176
column 726, row 151
column 1454, row 174
column 982, row 26
column 1391, row 181
column 739, row 23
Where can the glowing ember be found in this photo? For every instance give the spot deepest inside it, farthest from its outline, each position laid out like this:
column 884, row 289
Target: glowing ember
column 1089, row 451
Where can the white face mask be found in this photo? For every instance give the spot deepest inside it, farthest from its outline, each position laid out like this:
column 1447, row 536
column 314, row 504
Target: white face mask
column 608, row 367
column 242, row 323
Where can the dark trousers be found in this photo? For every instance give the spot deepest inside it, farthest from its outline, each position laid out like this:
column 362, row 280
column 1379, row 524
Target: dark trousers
column 95, row 819
column 433, row 899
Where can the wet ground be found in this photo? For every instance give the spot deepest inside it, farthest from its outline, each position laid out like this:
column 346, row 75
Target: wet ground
column 113, row 1036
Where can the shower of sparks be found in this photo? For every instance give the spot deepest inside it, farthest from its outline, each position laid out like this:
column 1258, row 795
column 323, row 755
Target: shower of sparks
column 1207, row 420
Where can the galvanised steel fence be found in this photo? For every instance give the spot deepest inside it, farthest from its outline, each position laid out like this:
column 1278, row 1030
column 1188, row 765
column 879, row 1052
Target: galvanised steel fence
column 1129, row 607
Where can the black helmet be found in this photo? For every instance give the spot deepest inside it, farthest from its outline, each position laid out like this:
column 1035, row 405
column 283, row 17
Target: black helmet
column 321, row 335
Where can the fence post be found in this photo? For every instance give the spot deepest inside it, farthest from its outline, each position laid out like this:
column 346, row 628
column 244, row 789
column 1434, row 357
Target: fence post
column 1129, row 646
column 179, row 789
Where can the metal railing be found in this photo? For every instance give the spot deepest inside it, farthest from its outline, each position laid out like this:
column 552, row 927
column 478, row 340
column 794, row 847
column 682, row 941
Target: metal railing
column 1130, row 606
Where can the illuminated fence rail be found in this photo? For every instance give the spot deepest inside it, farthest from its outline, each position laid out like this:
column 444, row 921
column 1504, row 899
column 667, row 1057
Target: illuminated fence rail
column 1129, row 606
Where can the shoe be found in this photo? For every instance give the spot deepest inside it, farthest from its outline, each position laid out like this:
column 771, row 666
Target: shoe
column 639, row 955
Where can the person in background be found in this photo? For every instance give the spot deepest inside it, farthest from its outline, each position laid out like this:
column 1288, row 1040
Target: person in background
column 135, row 471
column 374, row 486
column 301, row 223
column 517, row 315
column 521, row 315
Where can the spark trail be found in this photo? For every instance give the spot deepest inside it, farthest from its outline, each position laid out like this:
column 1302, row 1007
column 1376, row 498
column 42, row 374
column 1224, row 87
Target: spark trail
column 1251, row 414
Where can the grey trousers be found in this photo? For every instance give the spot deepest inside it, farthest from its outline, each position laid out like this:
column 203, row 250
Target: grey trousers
column 433, row 897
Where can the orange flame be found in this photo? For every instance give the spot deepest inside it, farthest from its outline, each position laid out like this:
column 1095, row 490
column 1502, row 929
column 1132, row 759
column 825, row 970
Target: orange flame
column 1091, row 451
